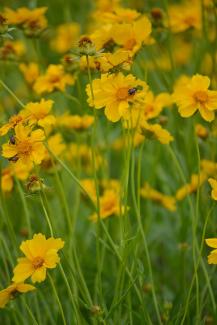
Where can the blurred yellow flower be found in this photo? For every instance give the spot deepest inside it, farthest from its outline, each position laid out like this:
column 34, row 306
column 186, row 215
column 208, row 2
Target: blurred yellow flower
column 66, row 37
column 213, row 183
column 75, row 122
column 30, row 71
column 40, row 254
column 156, row 131
column 12, row 290
column 195, row 183
column 212, row 258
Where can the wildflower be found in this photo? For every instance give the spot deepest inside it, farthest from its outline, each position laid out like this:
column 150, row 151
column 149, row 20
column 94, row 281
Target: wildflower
column 30, row 72
column 54, row 79
column 86, row 47
column 13, row 122
column 114, row 93
column 109, row 205
column 35, row 184
column 201, row 131
column 113, row 62
column 38, row 113
column 132, row 36
column 212, row 258
column 12, row 290
column 156, row 131
column 66, row 37
column 169, row 202
column 75, row 122
column 119, row 15
column 196, row 181
column 155, row 104
column 40, row 254
column 208, row 167
column 12, row 50
column 194, row 96
column 213, row 183
column 56, row 146
column 28, row 146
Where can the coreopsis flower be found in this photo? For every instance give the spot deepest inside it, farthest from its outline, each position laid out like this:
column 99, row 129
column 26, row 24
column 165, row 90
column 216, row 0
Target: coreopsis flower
column 18, row 170
column 212, row 257
column 196, row 182
column 40, row 254
column 54, row 78
column 109, row 206
column 33, row 22
column 114, row 62
column 25, row 146
column 119, row 15
column 38, row 113
column 116, row 93
column 155, row 131
column 132, row 36
column 208, row 167
column 154, row 104
column 66, row 37
column 167, row 201
column 213, row 183
column 120, row 143
column 184, row 16
column 103, row 38
column 30, row 72
column 12, row 123
column 12, row 291
column 75, row 122
column 194, row 96
column 12, row 50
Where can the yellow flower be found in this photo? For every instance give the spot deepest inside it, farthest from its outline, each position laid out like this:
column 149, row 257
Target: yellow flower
column 132, row 36
column 212, row 258
column 194, row 96
column 18, row 170
column 13, row 122
column 184, row 16
column 12, row 290
column 30, row 71
column 208, row 167
column 109, row 205
column 54, row 79
column 75, row 122
column 155, row 104
column 116, row 93
column 120, row 60
column 56, row 146
column 119, row 15
column 168, row 202
column 156, row 131
column 38, row 113
column 26, row 146
column 196, row 181
column 40, row 254
column 66, row 37
column 12, row 50
column 213, row 183
column 201, row 131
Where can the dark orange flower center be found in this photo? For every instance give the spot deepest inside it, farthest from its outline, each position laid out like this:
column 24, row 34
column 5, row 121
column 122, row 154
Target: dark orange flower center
column 129, row 45
column 201, row 96
column 24, row 147
column 37, row 262
column 122, row 93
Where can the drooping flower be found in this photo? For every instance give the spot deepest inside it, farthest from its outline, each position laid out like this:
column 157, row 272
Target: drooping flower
column 40, row 254
column 27, row 146
column 12, row 290
column 212, row 257
column 54, row 78
column 116, row 93
column 195, row 95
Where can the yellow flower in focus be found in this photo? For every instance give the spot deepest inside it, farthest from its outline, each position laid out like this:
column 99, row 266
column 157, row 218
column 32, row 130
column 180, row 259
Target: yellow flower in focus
column 40, row 254
column 12, row 290
column 194, row 96
column 116, row 93
column 109, row 206
column 30, row 71
column 132, row 36
column 212, row 258
column 27, row 146
column 38, row 113
column 213, row 183
column 168, row 202
column 54, row 78
column 66, row 37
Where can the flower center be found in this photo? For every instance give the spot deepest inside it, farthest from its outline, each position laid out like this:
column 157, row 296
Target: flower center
column 201, row 96
column 24, row 147
column 54, row 79
column 37, row 262
column 129, row 45
column 122, row 93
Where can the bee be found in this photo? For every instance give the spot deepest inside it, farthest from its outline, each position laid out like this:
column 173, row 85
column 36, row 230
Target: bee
column 132, row 91
column 12, row 139
column 14, row 159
